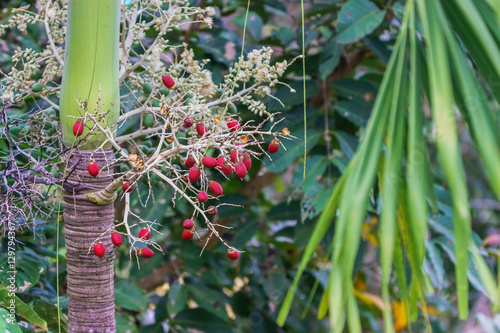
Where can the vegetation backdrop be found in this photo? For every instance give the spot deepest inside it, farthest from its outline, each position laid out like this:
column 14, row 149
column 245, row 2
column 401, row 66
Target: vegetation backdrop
column 394, row 226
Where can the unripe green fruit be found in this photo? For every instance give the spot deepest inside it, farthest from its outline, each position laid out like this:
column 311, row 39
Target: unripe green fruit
column 232, row 108
column 218, row 93
column 54, row 173
column 149, row 120
column 164, row 91
column 49, row 126
column 51, row 113
column 37, row 87
column 144, row 148
column 50, row 130
column 147, row 143
column 35, row 74
column 147, row 88
column 156, row 103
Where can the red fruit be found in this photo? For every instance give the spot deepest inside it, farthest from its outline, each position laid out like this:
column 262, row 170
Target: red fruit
column 220, row 161
column 209, row 162
column 215, row 188
column 194, row 175
column 99, row 250
column 233, row 125
column 146, row 253
column 116, row 238
column 240, row 170
column 212, row 210
column 187, row 234
column 188, row 122
column 168, row 82
column 144, row 234
column 203, row 196
column 188, row 224
column 233, row 155
column 201, row 129
column 247, row 161
column 78, row 128
column 93, row 169
column 274, row 146
column 238, row 143
column 127, row 187
column 233, row 254
column 226, row 168
column 190, row 162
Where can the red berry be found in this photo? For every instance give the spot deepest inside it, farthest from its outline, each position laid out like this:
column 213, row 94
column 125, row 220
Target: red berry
column 215, row 188
column 188, row 122
column 201, row 129
column 93, row 169
column 238, row 143
column 274, row 146
column 144, row 234
column 185, row 178
column 226, row 168
column 209, row 162
column 240, row 170
column 146, row 252
column 233, row 254
column 187, row 234
column 127, row 187
column 78, row 128
column 99, row 250
column 212, row 210
column 190, row 162
column 168, row 82
column 233, row 125
column 203, row 196
column 247, row 161
column 188, row 224
column 233, row 155
column 116, row 238
column 194, row 175
column 220, row 161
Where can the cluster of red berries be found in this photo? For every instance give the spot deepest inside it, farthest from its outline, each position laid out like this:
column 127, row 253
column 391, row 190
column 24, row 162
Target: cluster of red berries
column 116, row 238
column 201, row 128
column 240, row 163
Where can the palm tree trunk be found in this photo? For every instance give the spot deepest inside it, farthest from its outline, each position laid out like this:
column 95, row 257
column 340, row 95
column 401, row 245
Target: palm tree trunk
column 90, row 85
column 91, row 301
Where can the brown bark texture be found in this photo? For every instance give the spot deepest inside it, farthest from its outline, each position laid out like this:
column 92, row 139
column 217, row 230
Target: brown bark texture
column 91, row 300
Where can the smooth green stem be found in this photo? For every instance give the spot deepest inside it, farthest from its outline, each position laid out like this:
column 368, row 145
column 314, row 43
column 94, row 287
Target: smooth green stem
column 91, row 66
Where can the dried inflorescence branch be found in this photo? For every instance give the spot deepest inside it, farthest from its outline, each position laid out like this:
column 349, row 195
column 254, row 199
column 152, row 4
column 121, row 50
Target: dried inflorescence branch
column 187, row 131
column 31, row 167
